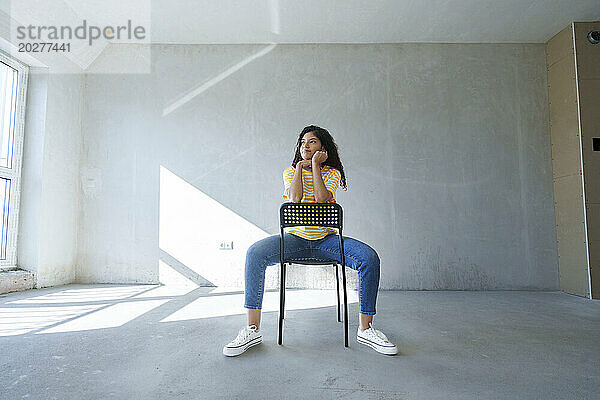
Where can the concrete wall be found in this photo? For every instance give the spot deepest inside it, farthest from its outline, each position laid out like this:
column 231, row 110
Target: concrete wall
column 446, row 150
column 31, row 171
column 566, row 164
column 49, row 206
column 573, row 89
column 588, row 83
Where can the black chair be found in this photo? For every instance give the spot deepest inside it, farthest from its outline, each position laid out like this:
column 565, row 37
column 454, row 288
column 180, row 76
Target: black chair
column 312, row 214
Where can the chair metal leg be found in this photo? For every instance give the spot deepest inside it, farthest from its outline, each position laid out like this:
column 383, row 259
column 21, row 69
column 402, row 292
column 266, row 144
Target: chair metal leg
column 345, row 307
column 337, row 292
column 281, row 303
column 284, row 283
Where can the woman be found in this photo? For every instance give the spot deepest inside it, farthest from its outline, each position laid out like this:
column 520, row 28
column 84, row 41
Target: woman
column 314, row 176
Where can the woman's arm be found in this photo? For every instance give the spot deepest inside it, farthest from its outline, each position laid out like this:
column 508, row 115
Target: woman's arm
column 295, row 190
column 322, row 194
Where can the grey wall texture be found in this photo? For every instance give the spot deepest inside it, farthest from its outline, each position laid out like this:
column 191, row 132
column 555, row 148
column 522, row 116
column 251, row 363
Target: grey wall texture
column 446, row 149
column 48, row 221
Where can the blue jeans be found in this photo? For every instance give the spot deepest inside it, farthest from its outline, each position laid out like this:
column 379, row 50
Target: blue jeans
column 359, row 256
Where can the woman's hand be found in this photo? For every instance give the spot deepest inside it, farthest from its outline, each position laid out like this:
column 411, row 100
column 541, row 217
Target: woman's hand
column 304, row 164
column 319, row 157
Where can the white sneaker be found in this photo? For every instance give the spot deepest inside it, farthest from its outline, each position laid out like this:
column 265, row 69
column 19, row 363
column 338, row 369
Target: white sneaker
column 377, row 340
column 247, row 337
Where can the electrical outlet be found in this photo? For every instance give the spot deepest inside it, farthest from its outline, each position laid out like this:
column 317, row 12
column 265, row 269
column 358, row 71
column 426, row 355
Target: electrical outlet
column 226, row 245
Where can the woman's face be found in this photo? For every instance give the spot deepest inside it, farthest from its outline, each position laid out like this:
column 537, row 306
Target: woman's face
column 309, row 145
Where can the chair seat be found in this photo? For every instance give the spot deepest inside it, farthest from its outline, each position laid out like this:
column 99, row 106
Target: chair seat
column 310, row 261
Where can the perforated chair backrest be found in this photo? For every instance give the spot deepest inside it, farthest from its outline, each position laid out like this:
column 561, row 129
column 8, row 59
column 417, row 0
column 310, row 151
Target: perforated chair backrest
column 311, row 214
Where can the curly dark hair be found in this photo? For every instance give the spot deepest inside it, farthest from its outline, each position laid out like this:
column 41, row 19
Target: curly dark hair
column 333, row 158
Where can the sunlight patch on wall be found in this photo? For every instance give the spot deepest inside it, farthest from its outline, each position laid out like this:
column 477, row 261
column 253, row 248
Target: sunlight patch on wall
column 196, row 91
column 191, row 227
column 173, row 283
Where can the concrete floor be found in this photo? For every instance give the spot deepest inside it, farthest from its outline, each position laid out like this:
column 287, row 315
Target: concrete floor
column 148, row 342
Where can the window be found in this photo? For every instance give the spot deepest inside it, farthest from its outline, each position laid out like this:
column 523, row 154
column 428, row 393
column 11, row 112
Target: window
column 13, row 86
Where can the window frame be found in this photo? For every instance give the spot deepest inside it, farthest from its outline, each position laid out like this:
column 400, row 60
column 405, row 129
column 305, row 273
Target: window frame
column 14, row 173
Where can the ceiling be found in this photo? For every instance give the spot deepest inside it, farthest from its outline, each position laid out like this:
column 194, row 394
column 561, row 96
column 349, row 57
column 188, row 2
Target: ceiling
column 320, row 21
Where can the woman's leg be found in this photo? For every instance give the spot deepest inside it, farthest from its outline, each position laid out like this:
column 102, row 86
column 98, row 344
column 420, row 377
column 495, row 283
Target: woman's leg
column 362, row 258
column 253, row 317
column 364, row 321
column 261, row 254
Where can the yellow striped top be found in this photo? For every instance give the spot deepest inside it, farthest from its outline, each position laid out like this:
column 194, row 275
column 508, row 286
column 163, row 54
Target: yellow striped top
column 331, row 178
